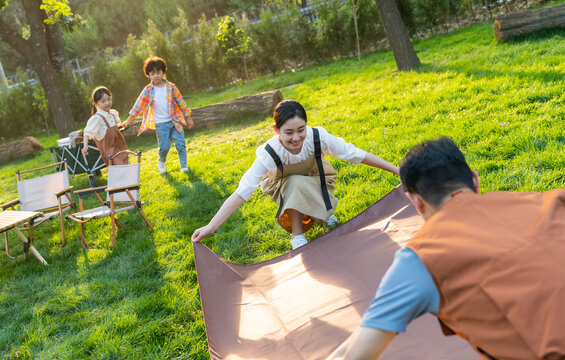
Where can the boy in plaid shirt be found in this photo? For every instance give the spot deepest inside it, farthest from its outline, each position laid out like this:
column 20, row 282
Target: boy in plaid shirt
column 164, row 110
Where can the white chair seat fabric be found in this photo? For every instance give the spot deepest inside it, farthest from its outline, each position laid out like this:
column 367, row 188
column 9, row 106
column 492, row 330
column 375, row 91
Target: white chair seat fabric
column 101, row 211
column 50, row 215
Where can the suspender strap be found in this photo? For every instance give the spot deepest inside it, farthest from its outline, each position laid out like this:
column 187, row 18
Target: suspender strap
column 278, row 162
column 318, row 153
column 103, row 118
column 275, row 157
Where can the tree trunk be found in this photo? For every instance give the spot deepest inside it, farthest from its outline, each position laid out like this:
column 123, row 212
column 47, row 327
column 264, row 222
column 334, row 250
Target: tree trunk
column 398, row 37
column 56, row 47
column 55, row 95
column 41, row 61
column 35, row 49
column 355, row 5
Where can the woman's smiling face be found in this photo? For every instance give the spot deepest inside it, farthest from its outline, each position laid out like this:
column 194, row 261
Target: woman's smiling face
column 292, row 134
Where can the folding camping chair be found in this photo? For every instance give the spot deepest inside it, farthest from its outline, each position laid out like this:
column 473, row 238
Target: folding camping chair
column 48, row 194
column 122, row 194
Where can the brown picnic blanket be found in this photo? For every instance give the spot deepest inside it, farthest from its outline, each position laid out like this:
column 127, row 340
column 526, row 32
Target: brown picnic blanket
column 303, row 304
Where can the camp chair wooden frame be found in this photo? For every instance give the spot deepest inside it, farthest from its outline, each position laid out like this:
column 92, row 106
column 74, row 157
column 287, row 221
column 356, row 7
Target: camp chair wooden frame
column 49, row 212
column 110, row 207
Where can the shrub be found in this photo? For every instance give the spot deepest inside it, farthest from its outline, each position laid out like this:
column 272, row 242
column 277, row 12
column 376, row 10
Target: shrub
column 335, row 35
column 23, row 109
column 183, row 38
column 282, row 39
column 210, row 53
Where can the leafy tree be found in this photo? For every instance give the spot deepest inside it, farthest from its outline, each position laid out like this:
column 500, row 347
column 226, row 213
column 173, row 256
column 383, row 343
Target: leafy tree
column 37, row 42
column 234, row 40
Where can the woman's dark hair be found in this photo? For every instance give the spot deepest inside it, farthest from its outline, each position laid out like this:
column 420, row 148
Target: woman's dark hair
column 434, row 169
column 154, row 63
column 96, row 95
column 287, row 109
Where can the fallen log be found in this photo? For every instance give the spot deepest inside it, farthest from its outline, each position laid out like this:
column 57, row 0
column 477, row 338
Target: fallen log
column 529, row 21
column 211, row 115
column 19, row 148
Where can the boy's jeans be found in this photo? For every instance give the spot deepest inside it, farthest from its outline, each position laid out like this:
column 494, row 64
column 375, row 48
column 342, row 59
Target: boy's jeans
column 165, row 131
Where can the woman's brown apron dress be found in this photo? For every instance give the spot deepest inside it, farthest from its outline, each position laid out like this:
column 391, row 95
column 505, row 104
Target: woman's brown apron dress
column 112, row 143
column 307, row 187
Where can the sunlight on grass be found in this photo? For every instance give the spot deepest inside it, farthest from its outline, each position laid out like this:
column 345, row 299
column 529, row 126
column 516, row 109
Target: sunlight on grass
column 92, row 257
column 501, row 103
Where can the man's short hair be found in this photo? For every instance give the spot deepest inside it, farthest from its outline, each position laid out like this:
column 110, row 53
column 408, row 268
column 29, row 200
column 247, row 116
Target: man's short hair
column 434, row 169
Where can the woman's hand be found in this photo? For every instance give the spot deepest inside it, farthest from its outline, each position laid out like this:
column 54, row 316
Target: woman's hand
column 85, row 151
column 201, row 233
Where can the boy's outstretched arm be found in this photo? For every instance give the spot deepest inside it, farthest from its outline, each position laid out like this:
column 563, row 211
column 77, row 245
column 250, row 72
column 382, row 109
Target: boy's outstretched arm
column 364, row 343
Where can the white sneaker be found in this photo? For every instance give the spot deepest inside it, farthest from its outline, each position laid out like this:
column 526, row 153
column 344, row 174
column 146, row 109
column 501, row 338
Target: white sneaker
column 332, row 221
column 298, row 241
column 162, row 167
column 184, row 170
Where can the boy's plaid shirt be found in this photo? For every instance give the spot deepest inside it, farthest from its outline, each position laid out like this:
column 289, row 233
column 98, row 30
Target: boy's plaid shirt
column 178, row 110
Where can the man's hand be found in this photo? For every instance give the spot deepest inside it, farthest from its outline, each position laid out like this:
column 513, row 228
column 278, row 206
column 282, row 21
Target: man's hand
column 189, row 123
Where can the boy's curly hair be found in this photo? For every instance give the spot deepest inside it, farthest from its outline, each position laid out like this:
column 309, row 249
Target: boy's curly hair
column 154, row 63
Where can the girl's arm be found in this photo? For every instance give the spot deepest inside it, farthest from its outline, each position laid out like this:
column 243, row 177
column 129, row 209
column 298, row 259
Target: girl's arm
column 90, row 129
column 375, row 161
column 228, row 208
column 85, row 144
column 116, row 115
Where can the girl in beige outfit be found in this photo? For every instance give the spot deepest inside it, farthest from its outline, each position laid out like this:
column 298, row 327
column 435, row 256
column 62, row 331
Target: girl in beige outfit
column 291, row 169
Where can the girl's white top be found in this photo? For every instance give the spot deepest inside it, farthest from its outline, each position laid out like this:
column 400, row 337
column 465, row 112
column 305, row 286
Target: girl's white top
column 96, row 127
column 265, row 165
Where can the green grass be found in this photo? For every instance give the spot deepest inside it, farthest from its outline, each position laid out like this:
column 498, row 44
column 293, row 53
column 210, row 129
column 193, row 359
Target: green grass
column 502, row 103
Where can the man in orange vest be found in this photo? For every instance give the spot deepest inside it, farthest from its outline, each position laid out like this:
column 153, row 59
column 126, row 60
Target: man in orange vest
column 489, row 266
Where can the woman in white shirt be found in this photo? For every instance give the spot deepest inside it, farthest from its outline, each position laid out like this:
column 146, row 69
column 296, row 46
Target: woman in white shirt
column 103, row 126
column 291, row 169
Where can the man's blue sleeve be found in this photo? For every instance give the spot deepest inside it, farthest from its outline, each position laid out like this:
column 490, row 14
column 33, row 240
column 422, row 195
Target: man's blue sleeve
column 406, row 291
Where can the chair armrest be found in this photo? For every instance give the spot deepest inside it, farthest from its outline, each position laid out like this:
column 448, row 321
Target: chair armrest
column 10, row 204
column 85, row 192
column 63, row 192
column 122, row 188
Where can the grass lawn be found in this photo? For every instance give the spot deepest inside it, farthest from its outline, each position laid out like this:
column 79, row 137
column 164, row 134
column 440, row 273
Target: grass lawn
column 502, row 103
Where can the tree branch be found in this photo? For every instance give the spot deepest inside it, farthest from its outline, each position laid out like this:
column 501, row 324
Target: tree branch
column 10, row 36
